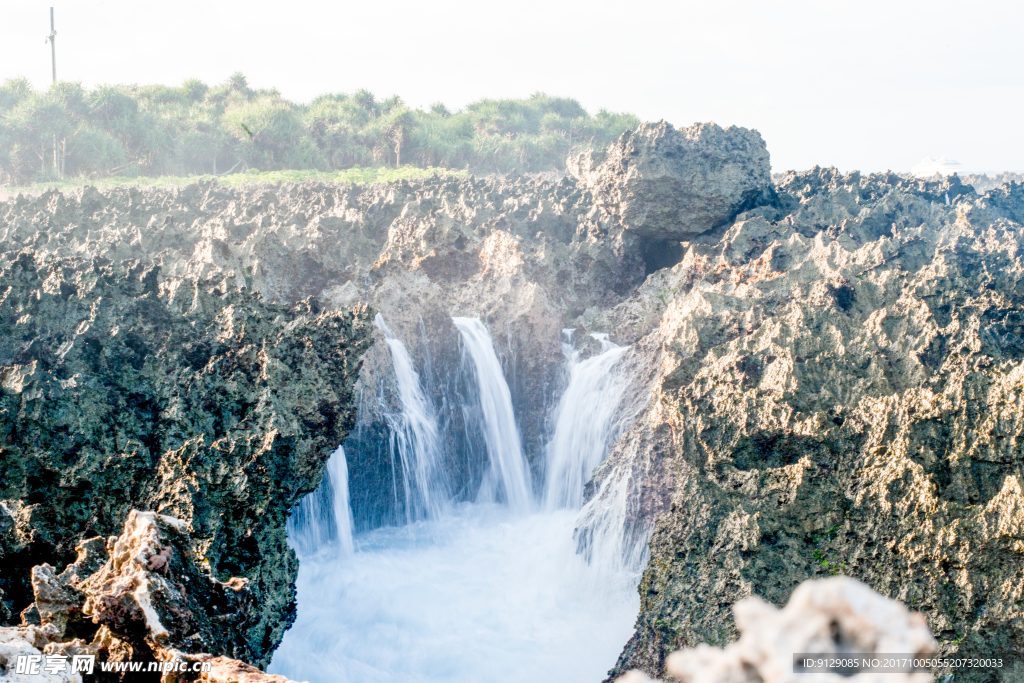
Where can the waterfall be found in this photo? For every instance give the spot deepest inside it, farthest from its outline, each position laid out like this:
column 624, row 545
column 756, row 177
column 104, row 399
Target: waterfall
column 414, row 435
column 337, row 470
column 508, row 474
column 492, row 590
column 587, row 422
column 604, row 534
column 583, row 422
column 324, row 515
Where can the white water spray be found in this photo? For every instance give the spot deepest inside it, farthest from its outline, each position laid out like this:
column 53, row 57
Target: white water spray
column 482, row 591
column 414, row 434
column 583, row 423
column 324, row 516
column 604, row 534
column 482, row 594
column 508, row 472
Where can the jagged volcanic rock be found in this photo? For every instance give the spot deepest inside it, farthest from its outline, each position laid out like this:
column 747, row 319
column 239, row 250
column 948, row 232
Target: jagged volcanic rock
column 834, row 618
column 667, row 184
column 840, row 392
column 139, row 598
column 184, row 396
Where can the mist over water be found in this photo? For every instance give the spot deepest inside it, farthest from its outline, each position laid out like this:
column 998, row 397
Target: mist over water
column 491, row 590
column 483, row 595
column 584, row 421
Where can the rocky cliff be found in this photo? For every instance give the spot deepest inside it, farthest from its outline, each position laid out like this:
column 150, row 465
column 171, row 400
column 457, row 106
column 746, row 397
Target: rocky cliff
column 526, row 255
column 826, row 372
column 122, row 390
column 840, row 387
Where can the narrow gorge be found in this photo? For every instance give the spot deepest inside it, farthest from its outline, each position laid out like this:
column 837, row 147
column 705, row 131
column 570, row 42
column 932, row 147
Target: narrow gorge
column 548, row 427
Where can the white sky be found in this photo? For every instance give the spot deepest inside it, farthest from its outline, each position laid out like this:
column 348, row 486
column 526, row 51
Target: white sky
column 859, row 84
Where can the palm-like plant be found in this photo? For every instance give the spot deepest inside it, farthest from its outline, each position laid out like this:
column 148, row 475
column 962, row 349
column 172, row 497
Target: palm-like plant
column 13, row 91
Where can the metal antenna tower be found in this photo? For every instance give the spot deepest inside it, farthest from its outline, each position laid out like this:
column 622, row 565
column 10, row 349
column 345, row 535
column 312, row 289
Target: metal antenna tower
column 52, row 40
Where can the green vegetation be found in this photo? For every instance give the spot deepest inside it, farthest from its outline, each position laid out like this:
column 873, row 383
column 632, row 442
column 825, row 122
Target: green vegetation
column 351, row 175
column 824, row 549
column 153, row 131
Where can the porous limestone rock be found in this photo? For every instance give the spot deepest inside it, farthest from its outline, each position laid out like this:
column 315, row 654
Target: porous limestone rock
column 138, row 598
column 832, row 617
column 840, row 390
column 668, row 184
column 121, row 390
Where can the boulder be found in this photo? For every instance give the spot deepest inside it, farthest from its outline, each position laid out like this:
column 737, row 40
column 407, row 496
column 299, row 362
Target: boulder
column 667, row 184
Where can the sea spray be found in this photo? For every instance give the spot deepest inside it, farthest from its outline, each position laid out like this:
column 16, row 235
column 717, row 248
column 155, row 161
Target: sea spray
column 482, row 594
column 414, row 436
column 584, row 419
column 508, row 476
column 324, row 516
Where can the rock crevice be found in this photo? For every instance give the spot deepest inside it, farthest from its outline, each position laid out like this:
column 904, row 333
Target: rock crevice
column 826, row 371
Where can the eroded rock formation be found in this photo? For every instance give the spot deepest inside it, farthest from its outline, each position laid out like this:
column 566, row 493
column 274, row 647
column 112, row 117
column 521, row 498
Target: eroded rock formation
column 183, row 396
column 834, row 618
column 138, row 598
column 826, row 374
column 840, row 390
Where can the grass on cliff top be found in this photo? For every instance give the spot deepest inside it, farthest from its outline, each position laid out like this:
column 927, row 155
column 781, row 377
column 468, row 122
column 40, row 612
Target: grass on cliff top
column 368, row 176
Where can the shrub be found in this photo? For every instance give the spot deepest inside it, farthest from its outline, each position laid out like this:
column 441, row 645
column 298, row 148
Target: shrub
column 196, row 129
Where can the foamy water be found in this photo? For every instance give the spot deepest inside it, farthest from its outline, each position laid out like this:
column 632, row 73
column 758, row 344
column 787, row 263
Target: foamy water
column 480, row 595
column 489, row 591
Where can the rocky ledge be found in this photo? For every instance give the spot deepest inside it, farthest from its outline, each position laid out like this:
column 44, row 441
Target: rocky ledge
column 139, row 597
column 827, row 371
column 187, row 397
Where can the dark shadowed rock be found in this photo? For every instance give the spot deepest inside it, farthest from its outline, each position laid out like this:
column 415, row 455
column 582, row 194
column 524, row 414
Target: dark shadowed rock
column 140, row 597
column 186, row 397
column 668, row 184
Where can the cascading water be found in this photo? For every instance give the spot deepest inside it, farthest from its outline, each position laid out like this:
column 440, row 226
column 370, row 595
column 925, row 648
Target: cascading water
column 586, row 424
column 483, row 590
column 324, row 516
column 583, row 423
column 604, row 535
column 414, row 435
column 509, row 475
